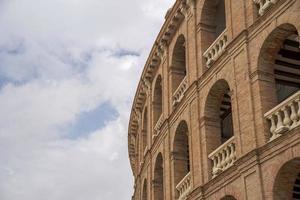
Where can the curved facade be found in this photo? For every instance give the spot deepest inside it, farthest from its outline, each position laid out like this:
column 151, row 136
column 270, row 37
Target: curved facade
column 216, row 114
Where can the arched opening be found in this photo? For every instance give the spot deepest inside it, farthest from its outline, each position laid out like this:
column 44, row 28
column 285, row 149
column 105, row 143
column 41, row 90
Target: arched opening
column 158, row 182
column 219, row 129
column 181, row 157
column 157, row 100
column 145, row 128
column 287, row 181
column 144, row 193
column 280, row 57
column 213, row 21
column 178, row 69
column 228, row 197
column 218, row 115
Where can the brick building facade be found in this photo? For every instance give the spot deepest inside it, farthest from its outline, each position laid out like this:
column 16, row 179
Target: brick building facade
column 216, row 115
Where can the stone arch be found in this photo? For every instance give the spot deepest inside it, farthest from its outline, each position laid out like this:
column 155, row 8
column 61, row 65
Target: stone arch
column 179, row 62
column 157, row 99
column 287, row 181
column 145, row 127
column 228, row 197
column 158, row 182
column 180, row 153
column 212, row 21
column 145, row 190
column 279, row 58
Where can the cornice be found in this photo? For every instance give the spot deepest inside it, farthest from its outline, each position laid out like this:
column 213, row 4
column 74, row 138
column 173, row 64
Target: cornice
column 174, row 17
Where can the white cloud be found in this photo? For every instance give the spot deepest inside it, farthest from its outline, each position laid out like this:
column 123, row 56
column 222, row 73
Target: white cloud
column 59, row 59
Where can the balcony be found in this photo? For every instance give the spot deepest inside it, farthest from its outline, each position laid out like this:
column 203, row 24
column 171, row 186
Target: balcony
column 184, row 187
column 179, row 92
column 263, row 5
column 223, row 157
column 216, row 49
column 285, row 116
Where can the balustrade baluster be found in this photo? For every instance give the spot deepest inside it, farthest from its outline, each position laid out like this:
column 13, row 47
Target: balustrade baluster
column 273, row 128
column 286, row 121
column 294, row 116
column 280, row 127
column 216, row 49
column 285, row 116
column 228, row 160
column 184, row 187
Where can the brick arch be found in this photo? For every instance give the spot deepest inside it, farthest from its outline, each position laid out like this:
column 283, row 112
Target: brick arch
column 212, row 21
column 217, row 104
column 158, row 181
column 269, row 62
column 177, row 124
column 225, row 78
column 214, row 96
column 271, row 44
column 291, row 17
column 286, row 180
column 218, row 120
column 178, row 67
column 145, row 190
column 180, row 154
column 157, row 99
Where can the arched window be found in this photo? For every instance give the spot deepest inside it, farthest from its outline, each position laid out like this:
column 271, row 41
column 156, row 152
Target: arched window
column 157, row 100
column 145, row 128
column 287, row 68
column 279, row 66
column 181, row 157
column 213, row 21
column 280, row 56
column 158, row 182
column 144, row 193
column 218, row 112
column 296, row 187
column 287, row 181
column 219, row 128
column 178, row 68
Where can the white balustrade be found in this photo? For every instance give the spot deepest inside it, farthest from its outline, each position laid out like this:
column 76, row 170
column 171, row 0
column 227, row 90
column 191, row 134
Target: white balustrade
column 184, row 187
column 285, row 116
column 263, row 5
column 216, row 49
column 179, row 92
column 223, row 157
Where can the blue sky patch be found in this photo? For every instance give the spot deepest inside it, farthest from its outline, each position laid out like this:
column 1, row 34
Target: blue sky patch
column 125, row 52
column 89, row 122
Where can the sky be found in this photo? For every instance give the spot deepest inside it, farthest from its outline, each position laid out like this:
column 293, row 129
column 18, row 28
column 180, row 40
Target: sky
column 68, row 74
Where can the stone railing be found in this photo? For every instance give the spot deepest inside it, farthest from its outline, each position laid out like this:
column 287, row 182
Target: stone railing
column 179, row 92
column 285, row 116
column 216, row 49
column 184, row 187
column 263, row 5
column 223, row 157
